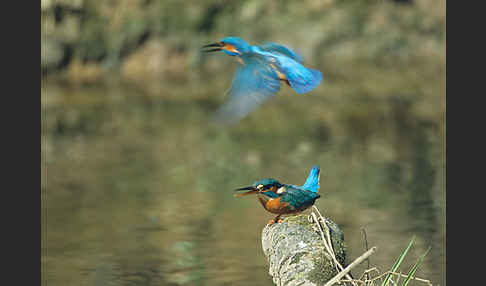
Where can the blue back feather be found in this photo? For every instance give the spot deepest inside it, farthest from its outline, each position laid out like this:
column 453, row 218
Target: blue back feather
column 298, row 198
column 274, row 47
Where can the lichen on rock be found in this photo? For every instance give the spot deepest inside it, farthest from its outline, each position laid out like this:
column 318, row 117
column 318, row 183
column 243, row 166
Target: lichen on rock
column 296, row 252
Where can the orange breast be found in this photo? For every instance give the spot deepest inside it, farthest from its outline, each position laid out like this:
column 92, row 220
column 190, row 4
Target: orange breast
column 276, row 206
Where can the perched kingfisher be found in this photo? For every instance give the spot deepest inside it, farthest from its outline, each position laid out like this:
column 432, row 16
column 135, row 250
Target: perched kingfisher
column 258, row 76
column 283, row 199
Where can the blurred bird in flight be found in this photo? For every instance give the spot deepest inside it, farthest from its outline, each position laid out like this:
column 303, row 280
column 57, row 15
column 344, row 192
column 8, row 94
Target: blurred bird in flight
column 258, row 77
column 284, row 199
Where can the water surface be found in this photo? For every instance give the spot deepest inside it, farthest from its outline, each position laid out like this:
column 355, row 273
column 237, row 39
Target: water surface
column 137, row 187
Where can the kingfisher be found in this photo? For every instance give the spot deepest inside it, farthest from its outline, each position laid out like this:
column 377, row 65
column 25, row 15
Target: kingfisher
column 284, row 199
column 261, row 69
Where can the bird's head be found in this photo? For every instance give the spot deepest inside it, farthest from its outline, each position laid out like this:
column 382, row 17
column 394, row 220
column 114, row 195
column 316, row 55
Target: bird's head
column 266, row 186
column 232, row 46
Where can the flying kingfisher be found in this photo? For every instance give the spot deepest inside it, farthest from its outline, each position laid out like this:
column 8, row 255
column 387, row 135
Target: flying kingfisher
column 283, row 199
column 258, row 77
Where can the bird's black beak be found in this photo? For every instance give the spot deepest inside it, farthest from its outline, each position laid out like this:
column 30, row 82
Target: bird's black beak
column 219, row 47
column 245, row 189
column 251, row 190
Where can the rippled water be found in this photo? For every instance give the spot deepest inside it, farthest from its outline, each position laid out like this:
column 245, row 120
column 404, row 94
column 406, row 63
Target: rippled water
column 137, row 188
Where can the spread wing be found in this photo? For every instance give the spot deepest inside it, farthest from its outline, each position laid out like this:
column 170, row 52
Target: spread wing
column 253, row 83
column 273, row 47
column 298, row 198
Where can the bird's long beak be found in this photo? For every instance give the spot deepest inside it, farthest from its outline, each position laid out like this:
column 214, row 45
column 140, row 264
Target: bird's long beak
column 219, row 47
column 251, row 191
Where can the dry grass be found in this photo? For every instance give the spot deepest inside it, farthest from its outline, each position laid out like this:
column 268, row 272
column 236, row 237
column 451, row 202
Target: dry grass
column 371, row 276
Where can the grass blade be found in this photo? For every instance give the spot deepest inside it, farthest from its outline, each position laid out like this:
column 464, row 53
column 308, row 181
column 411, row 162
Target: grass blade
column 398, row 262
column 415, row 267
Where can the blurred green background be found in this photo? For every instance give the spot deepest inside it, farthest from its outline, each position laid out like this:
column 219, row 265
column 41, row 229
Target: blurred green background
column 137, row 184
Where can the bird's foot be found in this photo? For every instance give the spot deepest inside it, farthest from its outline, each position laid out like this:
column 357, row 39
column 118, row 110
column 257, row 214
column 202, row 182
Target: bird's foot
column 272, row 221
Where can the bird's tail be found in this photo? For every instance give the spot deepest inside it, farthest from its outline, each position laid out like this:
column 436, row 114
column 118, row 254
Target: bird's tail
column 307, row 81
column 312, row 182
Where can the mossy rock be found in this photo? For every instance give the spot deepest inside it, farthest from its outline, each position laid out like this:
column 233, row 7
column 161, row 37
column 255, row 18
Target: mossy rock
column 296, row 252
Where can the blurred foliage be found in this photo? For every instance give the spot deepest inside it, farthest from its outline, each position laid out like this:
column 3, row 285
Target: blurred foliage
column 328, row 33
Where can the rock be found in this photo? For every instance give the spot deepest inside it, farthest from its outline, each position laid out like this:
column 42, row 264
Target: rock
column 296, row 252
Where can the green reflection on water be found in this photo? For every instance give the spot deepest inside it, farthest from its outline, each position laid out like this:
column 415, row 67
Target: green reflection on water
column 137, row 189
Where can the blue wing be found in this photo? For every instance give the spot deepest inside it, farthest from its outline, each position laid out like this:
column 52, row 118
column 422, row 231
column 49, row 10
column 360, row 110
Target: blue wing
column 301, row 79
column 274, row 47
column 298, row 198
column 254, row 83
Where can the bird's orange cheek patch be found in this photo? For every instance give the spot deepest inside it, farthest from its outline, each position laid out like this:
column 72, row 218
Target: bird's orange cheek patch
column 231, row 48
column 273, row 188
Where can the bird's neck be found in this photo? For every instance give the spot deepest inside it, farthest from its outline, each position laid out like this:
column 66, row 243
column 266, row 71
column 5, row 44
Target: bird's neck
column 254, row 49
column 271, row 194
column 264, row 197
